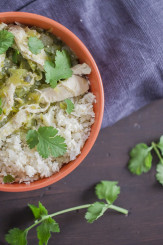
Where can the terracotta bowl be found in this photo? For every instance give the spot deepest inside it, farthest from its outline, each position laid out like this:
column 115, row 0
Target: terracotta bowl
column 96, row 87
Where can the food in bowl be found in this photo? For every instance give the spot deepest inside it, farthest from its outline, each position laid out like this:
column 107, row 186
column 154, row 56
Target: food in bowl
column 46, row 108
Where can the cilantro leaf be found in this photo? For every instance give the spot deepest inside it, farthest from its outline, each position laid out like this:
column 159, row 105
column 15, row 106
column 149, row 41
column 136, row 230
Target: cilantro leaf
column 67, row 105
column 47, row 141
column 70, row 106
column 44, row 230
column 39, row 211
column 95, row 211
column 8, row 179
column 160, row 144
column 35, row 45
column 107, row 190
column 61, row 69
column 32, row 138
column 50, row 74
column 159, row 174
column 16, row 237
column 1, row 106
column 141, row 159
column 6, row 40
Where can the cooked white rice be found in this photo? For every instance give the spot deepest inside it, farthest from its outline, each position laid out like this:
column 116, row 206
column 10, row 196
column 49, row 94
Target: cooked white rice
column 26, row 165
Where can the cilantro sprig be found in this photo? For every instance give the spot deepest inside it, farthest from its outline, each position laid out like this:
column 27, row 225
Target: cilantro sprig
column 6, row 40
column 58, row 71
column 35, row 45
column 107, row 190
column 141, row 159
column 47, row 142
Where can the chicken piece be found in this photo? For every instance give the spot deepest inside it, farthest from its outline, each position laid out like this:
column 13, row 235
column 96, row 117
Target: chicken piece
column 21, row 39
column 48, row 118
column 35, row 108
column 31, row 33
column 2, row 61
column 8, row 101
column 14, row 124
column 2, row 26
column 81, row 69
column 17, row 121
column 14, row 81
column 72, row 87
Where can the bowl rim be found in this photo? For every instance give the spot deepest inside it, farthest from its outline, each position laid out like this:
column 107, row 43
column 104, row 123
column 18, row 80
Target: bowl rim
column 41, row 183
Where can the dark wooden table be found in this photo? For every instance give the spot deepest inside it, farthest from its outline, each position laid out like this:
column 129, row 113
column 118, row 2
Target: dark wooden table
column 142, row 195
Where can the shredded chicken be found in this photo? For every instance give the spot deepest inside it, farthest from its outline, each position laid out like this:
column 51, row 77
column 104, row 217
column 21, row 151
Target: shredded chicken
column 2, row 26
column 81, row 69
column 21, row 117
column 22, row 78
column 74, row 86
column 21, row 39
column 2, row 61
column 14, row 124
column 48, row 118
column 8, row 101
column 34, row 108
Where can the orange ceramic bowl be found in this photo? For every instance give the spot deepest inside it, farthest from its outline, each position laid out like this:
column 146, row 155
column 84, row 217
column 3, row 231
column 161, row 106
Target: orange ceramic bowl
column 96, row 87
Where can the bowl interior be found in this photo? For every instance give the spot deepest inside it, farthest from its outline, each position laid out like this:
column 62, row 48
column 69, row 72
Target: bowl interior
column 96, row 87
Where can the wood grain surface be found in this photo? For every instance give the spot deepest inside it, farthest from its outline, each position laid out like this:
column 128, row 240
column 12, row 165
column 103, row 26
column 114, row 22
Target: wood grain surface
column 142, row 195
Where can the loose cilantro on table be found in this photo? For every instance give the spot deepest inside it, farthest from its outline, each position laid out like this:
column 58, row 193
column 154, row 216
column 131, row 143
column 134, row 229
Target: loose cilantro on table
column 8, row 179
column 35, row 45
column 141, row 159
column 107, row 190
column 159, row 174
column 59, row 70
column 6, row 40
column 16, row 237
column 47, row 142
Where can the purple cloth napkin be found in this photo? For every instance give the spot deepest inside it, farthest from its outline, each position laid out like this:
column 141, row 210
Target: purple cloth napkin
column 125, row 38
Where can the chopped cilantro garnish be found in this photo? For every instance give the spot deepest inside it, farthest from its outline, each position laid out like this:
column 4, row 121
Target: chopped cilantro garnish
column 47, row 142
column 70, row 106
column 35, row 45
column 59, row 70
column 6, row 40
column 8, row 179
column 67, row 105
